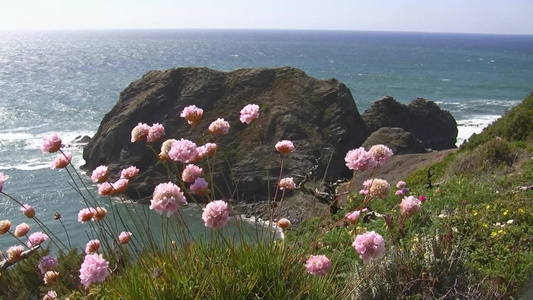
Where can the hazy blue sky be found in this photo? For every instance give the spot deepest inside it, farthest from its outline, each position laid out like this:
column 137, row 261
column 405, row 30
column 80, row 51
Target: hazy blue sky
column 476, row 16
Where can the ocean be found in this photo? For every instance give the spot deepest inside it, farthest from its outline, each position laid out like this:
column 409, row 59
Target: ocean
column 66, row 81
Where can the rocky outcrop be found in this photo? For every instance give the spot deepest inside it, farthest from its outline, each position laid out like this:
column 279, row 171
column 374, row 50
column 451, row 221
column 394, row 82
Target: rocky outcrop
column 397, row 139
column 436, row 128
column 319, row 116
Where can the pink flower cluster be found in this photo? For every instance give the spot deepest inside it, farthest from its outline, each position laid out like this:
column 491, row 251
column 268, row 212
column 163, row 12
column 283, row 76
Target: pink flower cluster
column 62, row 160
column 167, row 196
column 369, row 245
column 124, row 237
column 129, row 173
column 36, row 238
column 359, row 160
column 14, row 252
column 318, row 265
column 28, row 211
column 51, row 143
column 353, row 216
column 47, row 263
column 155, row 133
column 381, row 153
column 287, row 184
column 3, row 178
column 249, row 113
column 100, row 174
column 284, row 147
column 183, row 151
column 92, row 246
column 150, row 133
column 190, row 173
column 22, row 229
column 403, row 190
column 192, row 114
column 219, row 127
column 376, row 188
column 199, row 187
column 94, row 269
column 216, row 214
column 410, row 205
column 50, row 295
column 209, row 149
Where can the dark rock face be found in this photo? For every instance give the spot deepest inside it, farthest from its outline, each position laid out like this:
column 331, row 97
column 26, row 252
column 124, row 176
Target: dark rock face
column 435, row 127
column 319, row 116
column 397, row 139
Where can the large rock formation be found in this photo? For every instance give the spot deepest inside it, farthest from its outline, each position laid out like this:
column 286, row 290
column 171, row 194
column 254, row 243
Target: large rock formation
column 435, row 127
column 319, row 116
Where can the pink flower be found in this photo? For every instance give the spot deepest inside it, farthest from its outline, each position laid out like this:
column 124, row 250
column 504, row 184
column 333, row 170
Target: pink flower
column 165, row 148
column 105, row 189
column 353, row 216
column 100, row 174
column 284, row 223
column 124, row 237
column 423, row 198
column 369, row 245
column 28, row 211
column 192, row 114
column 219, row 127
column 381, row 153
column 359, row 159
column 209, row 149
column 216, row 214
column 86, row 214
column 410, row 206
column 249, row 113
column 14, row 252
column 318, row 265
column 50, row 277
column 190, row 173
column 99, row 213
column 3, row 178
column 167, row 196
column 284, row 147
column 47, row 263
column 62, row 160
column 380, row 188
column 129, row 173
column 50, row 295
column 120, row 186
column 92, row 246
column 5, row 225
column 93, row 269
column 36, row 238
column 22, row 229
column 402, row 192
column 139, row 132
column 401, row 184
column 183, row 150
column 199, row 187
column 51, row 143
column 156, row 132
column 287, row 183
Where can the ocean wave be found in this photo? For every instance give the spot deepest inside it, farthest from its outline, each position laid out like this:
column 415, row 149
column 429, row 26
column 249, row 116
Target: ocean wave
column 473, row 124
column 21, row 138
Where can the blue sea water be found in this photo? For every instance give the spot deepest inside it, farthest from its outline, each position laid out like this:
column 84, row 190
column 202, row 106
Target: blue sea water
column 65, row 81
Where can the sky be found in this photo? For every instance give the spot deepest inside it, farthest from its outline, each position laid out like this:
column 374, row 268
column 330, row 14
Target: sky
column 466, row 16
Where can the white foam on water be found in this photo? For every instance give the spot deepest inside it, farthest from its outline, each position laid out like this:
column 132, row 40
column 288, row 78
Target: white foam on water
column 472, row 125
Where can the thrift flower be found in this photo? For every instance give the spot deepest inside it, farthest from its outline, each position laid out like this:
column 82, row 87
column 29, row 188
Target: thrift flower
column 99, row 213
column 47, row 263
column 249, row 113
column 139, row 132
column 167, row 196
column 192, row 114
column 86, row 214
column 14, row 252
column 410, row 205
column 401, row 184
column 219, row 127
column 105, row 189
column 318, row 265
column 3, row 178
column 216, row 214
column 369, row 245
column 28, row 211
column 359, row 159
column 50, row 277
column 51, row 143
column 62, row 160
column 199, row 187
column 183, row 150
column 100, row 174
column 5, row 225
column 190, row 173
column 93, row 269
column 22, row 229
column 124, row 237
column 50, row 295
column 120, row 186
column 284, row 223
column 92, row 246
column 129, row 173
column 284, row 147
column 353, row 216
column 36, row 238
column 165, row 148
column 287, row 183
column 381, row 153
column 423, row 199
column 379, row 189
column 155, row 133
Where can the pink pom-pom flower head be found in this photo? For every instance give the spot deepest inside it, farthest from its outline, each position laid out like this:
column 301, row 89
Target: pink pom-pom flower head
column 36, row 238
column 192, row 114
column 369, row 245
column 94, row 269
column 359, row 159
column 155, row 133
column 22, row 229
column 47, row 263
column 28, row 211
column 129, row 173
column 219, row 127
column 381, row 153
column 183, row 151
column 284, row 147
column 353, row 216
column 62, row 160
column 124, row 237
column 86, row 214
column 199, row 187
column 287, row 184
column 190, row 173
column 410, row 205
column 3, row 178
column 139, row 132
column 167, row 196
column 92, row 246
column 318, row 265
column 51, row 143
column 100, row 174
column 216, row 214
column 249, row 113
